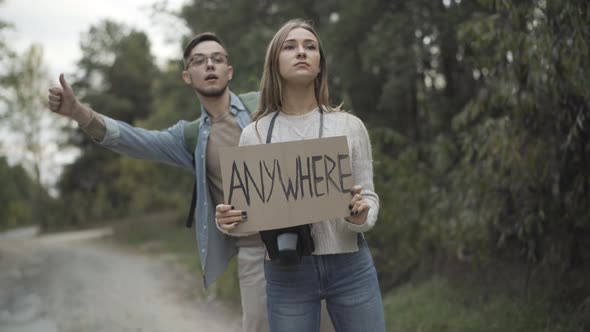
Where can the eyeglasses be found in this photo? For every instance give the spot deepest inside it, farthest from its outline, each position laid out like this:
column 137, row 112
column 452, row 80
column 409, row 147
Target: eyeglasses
column 202, row 59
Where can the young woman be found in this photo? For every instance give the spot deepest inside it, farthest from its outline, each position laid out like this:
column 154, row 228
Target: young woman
column 294, row 106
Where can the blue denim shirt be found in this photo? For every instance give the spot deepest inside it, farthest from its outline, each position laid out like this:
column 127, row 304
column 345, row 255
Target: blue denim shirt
column 168, row 146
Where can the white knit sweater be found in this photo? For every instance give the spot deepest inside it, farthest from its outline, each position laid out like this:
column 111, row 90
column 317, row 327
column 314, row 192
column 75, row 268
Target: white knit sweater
column 333, row 236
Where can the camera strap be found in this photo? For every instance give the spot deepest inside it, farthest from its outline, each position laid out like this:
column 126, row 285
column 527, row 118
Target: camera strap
column 305, row 244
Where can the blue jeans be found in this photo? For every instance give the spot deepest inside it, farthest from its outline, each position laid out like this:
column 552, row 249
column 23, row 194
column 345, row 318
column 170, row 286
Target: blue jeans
column 348, row 282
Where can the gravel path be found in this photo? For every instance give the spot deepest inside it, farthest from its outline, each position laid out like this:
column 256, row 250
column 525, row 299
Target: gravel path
column 73, row 282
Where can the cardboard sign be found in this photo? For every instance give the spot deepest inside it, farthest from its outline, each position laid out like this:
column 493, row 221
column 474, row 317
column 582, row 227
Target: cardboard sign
column 288, row 184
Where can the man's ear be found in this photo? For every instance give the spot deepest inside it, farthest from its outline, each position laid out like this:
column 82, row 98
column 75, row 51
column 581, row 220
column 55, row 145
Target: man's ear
column 230, row 73
column 186, row 77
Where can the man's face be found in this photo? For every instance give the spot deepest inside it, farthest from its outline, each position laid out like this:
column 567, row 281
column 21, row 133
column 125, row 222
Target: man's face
column 207, row 70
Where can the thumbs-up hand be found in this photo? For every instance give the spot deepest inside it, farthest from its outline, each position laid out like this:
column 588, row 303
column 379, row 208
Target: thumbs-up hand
column 63, row 101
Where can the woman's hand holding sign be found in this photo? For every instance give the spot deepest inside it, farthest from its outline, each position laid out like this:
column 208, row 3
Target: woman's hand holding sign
column 227, row 218
column 359, row 208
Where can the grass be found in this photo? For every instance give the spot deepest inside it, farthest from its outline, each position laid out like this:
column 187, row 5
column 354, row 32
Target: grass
column 434, row 305
column 438, row 305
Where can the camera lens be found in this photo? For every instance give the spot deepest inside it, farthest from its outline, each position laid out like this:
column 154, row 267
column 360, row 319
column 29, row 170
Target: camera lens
column 287, row 246
column 287, row 241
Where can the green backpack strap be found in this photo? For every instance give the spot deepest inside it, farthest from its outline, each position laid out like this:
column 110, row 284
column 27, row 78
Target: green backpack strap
column 191, row 134
column 250, row 100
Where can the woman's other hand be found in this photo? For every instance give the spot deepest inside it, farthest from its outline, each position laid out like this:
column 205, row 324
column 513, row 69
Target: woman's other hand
column 359, row 208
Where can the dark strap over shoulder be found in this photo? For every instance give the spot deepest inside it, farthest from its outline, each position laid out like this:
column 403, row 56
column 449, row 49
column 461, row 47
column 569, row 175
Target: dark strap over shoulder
column 191, row 212
column 191, row 134
column 305, row 244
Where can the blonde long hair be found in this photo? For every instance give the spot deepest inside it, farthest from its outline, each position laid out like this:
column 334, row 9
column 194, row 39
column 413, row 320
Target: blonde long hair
column 271, row 87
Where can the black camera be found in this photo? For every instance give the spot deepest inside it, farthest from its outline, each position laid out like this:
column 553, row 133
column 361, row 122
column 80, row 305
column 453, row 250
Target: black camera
column 288, row 245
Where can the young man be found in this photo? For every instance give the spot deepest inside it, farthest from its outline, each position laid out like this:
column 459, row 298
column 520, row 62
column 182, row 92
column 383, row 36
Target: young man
column 223, row 116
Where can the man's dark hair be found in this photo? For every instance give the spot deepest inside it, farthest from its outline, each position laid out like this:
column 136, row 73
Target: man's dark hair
column 205, row 36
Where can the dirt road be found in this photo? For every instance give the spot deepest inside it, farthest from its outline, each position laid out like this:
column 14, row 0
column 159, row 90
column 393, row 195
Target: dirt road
column 74, row 282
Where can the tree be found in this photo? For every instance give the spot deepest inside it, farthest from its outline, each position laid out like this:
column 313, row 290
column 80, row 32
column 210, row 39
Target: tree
column 16, row 193
column 117, row 71
column 6, row 55
column 25, row 117
column 117, row 80
column 527, row 131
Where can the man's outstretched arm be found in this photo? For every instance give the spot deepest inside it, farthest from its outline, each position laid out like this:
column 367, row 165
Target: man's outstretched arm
column 166, row 146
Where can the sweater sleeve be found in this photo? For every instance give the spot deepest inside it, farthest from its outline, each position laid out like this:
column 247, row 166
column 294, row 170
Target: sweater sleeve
column 362, row 168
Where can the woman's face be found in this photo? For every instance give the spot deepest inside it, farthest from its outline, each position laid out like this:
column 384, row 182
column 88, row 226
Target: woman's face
column 299, row 57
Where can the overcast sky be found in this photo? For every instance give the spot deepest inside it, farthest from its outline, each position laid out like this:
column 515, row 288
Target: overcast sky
column 58, row 24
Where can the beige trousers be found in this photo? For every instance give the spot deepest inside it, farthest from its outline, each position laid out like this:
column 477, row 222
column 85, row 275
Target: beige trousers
column 253, row 292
